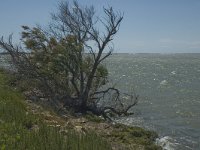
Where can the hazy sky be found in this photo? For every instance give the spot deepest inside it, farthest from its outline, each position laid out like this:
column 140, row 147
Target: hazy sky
column 159, row 26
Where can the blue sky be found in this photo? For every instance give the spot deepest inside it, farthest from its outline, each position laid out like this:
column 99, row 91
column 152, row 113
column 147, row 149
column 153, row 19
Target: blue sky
column 149, row 26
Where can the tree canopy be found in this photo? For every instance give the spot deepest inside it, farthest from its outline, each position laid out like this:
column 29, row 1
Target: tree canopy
column 65, row 61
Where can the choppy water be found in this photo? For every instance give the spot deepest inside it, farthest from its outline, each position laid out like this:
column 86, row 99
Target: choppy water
column 169, row 89
column 5, row 62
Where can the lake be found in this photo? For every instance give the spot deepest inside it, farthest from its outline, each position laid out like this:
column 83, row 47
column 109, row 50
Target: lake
column 169, row 89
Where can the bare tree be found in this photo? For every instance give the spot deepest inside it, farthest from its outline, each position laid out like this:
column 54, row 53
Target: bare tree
column 74, row 34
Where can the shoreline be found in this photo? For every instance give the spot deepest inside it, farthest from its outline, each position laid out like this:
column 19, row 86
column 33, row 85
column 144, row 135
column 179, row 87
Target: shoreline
column 118, row 135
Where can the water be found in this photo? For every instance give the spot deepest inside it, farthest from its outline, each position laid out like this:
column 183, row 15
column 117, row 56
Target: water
column 168, row 85
column 5, row 62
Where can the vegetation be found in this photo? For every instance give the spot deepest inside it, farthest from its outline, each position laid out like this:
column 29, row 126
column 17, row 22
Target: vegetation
column 64, row 62
column 21, row 129
column 135, row 137
column 62, row 66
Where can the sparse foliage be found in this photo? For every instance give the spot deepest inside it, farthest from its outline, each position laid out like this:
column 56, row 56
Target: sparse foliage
column 66, row 60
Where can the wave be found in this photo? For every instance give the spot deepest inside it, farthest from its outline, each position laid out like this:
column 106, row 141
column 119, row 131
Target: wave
column 166, row 143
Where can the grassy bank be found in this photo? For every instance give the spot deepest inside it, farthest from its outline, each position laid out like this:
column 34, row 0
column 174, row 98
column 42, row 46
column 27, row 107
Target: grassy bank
column 25, row 125
column 21, row 129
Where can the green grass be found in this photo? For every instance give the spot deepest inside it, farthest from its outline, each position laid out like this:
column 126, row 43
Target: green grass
column 20, row 129
column 136, row 135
